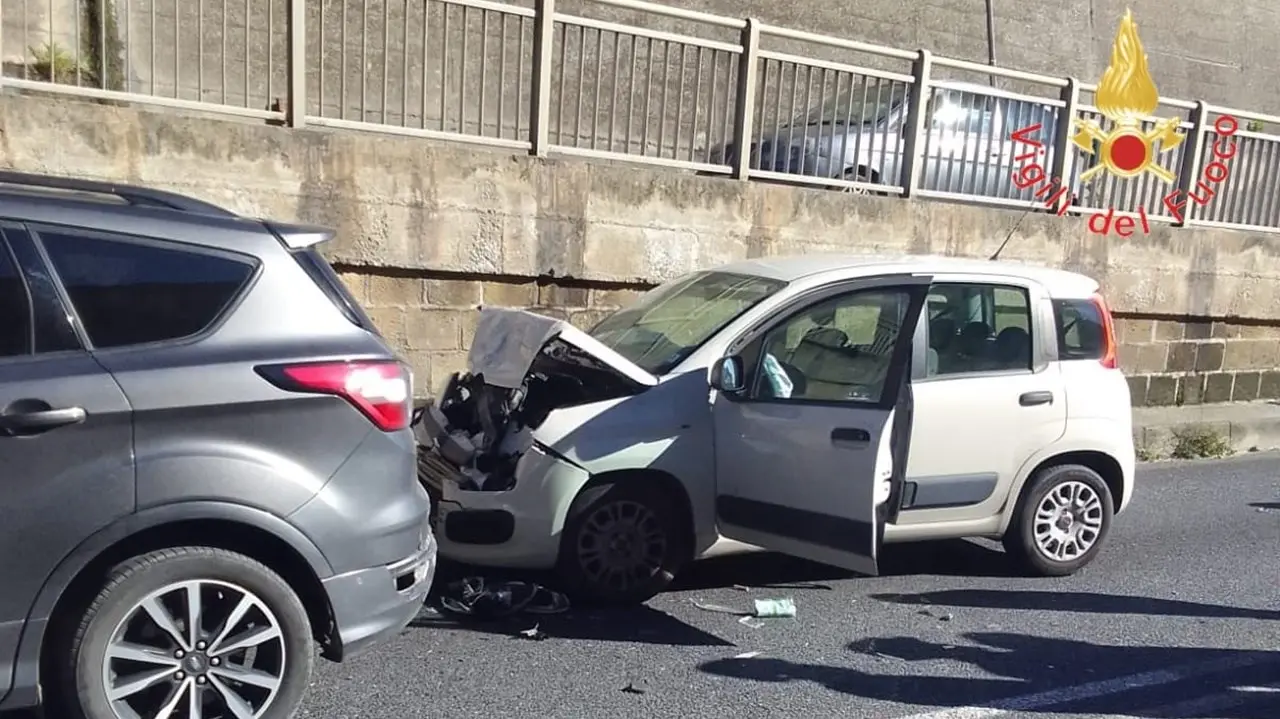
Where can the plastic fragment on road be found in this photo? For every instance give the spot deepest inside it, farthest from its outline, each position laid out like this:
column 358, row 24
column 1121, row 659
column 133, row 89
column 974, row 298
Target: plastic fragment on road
column 771, row 608
column 761, row 609
column 533, row 633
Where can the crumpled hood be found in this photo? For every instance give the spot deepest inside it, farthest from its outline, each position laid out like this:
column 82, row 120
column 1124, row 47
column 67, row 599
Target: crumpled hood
column 507, row 341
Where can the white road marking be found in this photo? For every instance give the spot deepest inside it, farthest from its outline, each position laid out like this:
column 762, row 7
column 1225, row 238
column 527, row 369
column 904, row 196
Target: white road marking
column 1092, row 690
column 1201, row 706
column 1273, row 689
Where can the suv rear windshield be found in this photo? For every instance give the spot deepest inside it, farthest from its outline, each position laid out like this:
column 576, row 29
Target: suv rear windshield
column 1080, row 329
column 329, row 282
column 672, row 320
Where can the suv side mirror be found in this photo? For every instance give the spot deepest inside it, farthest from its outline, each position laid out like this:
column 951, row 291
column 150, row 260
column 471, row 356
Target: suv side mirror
column 726, row 374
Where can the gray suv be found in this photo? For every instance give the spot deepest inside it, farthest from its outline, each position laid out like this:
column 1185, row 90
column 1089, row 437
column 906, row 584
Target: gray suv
column 206, row 466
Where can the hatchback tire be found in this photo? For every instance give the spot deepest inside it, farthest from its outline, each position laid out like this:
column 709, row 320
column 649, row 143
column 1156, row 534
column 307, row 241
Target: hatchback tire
column 1061, row 521
column 251, row 643
column 623, row 543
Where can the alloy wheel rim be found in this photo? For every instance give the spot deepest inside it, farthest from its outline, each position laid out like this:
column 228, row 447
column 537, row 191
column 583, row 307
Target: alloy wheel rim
column 622, row 545
column 198, row 649
column 1068, row 521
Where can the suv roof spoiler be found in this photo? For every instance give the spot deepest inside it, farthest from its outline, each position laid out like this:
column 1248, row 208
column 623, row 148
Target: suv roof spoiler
column 131, row 194
column 300, row 237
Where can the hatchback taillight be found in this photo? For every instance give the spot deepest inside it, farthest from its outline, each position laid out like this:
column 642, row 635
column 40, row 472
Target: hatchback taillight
column 1109, row 357
column 382, row 391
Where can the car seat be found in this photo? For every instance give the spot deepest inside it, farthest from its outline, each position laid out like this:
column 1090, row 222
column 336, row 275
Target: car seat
column 942, row 332
column 1013, row 348
column 825, row 356
column 972, row 347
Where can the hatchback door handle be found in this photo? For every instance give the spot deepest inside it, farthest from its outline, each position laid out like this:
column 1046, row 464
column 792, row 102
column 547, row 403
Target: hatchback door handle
column 850, row 434
column 1031, row 399
column 26, row 423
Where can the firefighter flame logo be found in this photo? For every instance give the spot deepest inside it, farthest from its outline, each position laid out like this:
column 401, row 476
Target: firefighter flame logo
column 1126, row 96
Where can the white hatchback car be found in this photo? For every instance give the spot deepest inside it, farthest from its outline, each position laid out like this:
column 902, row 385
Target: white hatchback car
column 797, row 404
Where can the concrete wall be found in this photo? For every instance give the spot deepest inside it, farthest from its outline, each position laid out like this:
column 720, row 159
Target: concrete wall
column 430, row 230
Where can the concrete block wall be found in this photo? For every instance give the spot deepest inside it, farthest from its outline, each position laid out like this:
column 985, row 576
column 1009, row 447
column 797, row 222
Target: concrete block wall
column 429, row 230
column 433, row 319
column 1191, row 362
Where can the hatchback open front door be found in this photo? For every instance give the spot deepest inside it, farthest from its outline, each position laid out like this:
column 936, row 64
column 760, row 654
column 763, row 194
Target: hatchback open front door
column 804, row 444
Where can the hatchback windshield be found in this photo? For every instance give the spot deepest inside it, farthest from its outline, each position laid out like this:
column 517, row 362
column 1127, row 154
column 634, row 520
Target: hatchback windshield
column 672, row 320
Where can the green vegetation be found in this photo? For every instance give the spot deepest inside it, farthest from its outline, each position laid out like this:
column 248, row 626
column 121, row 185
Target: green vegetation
column 52, row 63
column 101, row 54
column 1200, row 443
column 101, row 44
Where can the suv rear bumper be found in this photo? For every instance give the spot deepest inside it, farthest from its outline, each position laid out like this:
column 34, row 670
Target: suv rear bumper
column 370, row 605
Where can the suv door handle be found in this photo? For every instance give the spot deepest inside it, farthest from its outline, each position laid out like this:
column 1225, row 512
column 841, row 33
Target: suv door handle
column 850, row 434
column 1031, row 399
column 27, row 423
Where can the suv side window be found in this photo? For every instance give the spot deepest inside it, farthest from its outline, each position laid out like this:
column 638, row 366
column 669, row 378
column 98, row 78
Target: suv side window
column 978, row 328
column 837, row 350
column 15, row 308
column 132, row 292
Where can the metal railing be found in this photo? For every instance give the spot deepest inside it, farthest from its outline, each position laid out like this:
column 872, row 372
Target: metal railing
column 635, row 81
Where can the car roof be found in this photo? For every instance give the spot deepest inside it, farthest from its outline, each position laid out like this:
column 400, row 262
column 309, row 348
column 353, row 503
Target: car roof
column 790, row 268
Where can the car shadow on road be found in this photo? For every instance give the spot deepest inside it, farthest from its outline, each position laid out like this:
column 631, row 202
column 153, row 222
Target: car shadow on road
column 1080, row 602
column 1022, row 665
column 635, row 625
column 640, row 624
column 768, row 570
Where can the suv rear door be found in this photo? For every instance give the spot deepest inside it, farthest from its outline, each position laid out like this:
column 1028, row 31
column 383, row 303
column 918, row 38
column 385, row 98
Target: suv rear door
column 66, row 461
column 807, row 451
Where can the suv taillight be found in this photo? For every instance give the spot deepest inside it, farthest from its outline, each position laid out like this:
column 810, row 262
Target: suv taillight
column 1109, row 353
column 382, row 391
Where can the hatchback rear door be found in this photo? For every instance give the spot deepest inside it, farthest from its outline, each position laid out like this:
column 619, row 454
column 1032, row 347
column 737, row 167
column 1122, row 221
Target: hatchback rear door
column 805, row 449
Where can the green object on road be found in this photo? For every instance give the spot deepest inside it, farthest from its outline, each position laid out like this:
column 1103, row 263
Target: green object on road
column 775, row 608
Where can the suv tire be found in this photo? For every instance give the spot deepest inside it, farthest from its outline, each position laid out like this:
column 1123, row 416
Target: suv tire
column 226, row 581
column 1061, row 521
column 628, row 529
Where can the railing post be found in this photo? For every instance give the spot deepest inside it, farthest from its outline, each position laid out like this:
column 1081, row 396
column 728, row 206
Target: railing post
column 744, row 108
column 1192, row 157
column 297, row 109
column 913, row 129
column 544, row 24
column 1063, row 153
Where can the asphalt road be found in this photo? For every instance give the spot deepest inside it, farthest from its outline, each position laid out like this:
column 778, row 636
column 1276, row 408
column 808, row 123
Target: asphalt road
column 1179, row 617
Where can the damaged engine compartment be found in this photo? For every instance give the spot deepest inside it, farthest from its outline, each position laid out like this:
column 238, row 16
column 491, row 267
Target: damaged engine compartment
column 476, row 433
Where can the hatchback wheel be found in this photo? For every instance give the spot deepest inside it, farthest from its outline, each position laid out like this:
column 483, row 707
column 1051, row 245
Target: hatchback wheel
column 191, row 632
column 1061, row 521
column 623, row 543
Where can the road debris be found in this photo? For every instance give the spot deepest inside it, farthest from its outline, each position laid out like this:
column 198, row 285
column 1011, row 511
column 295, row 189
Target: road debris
column 631, row 688
column 475, row 598
column 532, row 633
column 747, row 655
column 761, row 609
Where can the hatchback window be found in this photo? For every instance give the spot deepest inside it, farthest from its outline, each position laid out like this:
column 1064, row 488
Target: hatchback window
column 978, row 328
column 15, row 330
column 1080, row 329
column 838, row 350
column 129, row 293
